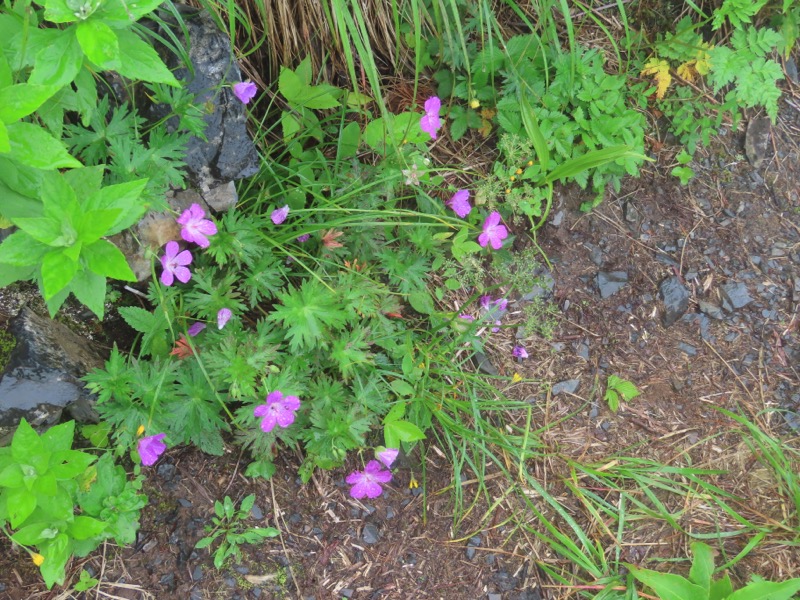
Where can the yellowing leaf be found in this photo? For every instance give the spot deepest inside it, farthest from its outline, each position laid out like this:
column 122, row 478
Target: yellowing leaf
column 703, row 62
column 659, row 69
column 688, row 71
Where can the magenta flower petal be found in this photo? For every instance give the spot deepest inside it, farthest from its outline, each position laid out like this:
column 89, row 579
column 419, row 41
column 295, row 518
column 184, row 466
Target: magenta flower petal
column 195, row 227
column 245, row 91
column 387, row 456
column 279, row 214
column 195, row 328
column 150, row 448
column 174, row 264
column 493, row 232
column 460, row 203
column 223, row 316
column 278, row 410
column 367, row 482
column 303, row 238
column 519, row 352
column 430, row 122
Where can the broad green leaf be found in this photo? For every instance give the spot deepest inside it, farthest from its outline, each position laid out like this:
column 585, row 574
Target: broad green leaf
column 422, row 302
column 99, row 43
column 104, row 258
column 20, row 100
column 85, row 181
column 10, row 273
column 402, row 388
column 85, row 95
column 138, row 60
column 58, row 11
column 767, row 590
column 668, row 586
column 57, row 271
column 90, row 289
column 290, row 125
column 120, row 14
column 59, row 437
column 25, row 45
column 205, row 542
column 405, row 129
column 33, row 146
column 20, row 188
column 95, row 224
column 36, row 533
column 702, row 565
column 290, row 85
column 45, row 485
column 5, row 145
column 405, row 431
column 83, row 527
column 27, row 447
column 11, row 476
column 57, row 65
column 124, row 196
column 56, row 554
column 59, row 507
column 68, row 464
column 20, row 249
column 20, row 503
column 348, row 141
column 721, row 588
column 42, row 229
column 6, row 75
column 54, row 303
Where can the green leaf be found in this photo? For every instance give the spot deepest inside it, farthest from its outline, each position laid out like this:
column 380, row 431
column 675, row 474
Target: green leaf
column 206, row 542
column 348, row 141
column 58, row 64
column 56, row 554
column 720, row 589
column 104, row 258
column 20, row 503
column 83, row 528
column 90, row 289
column 11, row 476
column 10, row 273
column 125, row 197
column 402, row 388
column 405, row 431
column 36, row 533
column 20, row 249
column 42, row 229
column 531, row 125
column 20, row 100
column 702, row 565
column 309, row 315
column 5, row 144
column 668, row 586
column 59, row 437
column 767, row 590
column 68, row 464
column 93, row 225
column 120, row 14
column 138, row 60
column 27, row 447
column 58, row 11
column 99, row 43
column 57, row 271
column 33, row 146
column 422, row 302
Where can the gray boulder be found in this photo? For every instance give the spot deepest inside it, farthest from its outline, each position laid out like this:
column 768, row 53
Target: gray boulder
column 41, row 380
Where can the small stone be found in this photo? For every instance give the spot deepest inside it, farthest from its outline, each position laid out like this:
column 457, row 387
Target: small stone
column 185, row 503
column 256, row 512
column 484, row 365
column 734, row 296
column 557, row 219
column 570, row 386
column 756, row 141
column 346, row 593
column 610, row 283
column 583, row 350
column 791, row 69
column 390, row 514
column 712, row 310
column 166, row 471
column 242, row 569
column 295, row 519
column 495, row 597
column 687, row 349
column 542, row 289
column 676, row 299
column 197, row 574
column 167, row 579
column 370, row 534
column 631, row 212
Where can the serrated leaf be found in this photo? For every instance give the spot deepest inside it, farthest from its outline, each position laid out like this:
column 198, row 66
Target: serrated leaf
column 22, row 99
column 57, row 271
column 20, row 249
column 99, row 43
column 659, row 70
column 90, row 289
column 105, row 259
column 422, row 302
column 57, row 65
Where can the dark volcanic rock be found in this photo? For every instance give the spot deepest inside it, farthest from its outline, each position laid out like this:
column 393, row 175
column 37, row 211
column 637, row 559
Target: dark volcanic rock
column 41, row 379
column 734, row 295
column 756, row 140
column 610, row 283
column 676, row 299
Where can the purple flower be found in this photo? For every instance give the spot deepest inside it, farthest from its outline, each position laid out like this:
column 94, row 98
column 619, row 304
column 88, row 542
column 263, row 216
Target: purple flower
column 493, row 232
column 460, row 203
column 279, row 214
column 387, row 456
column 245, row 91
column 195, row 227
column 430, row 122
column 150, row 448
column 368, row 482
column 466, row 317
column 174, row 264
column 195, row 328
column 496, row 327
column 278, row 410
column 519, row 352
column 303, row 238
column 223, row 316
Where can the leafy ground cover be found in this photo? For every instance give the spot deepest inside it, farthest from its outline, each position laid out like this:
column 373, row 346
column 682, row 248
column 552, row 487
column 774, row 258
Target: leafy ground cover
column 414, row 278
column 406, row 542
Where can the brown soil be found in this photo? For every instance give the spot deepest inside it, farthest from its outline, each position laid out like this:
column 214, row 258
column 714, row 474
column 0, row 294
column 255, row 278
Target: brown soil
column 732, row 223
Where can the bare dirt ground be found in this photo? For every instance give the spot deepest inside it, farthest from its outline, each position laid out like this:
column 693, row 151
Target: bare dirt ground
column 731, row 238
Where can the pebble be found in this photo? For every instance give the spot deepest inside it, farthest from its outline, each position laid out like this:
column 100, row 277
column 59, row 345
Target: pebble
column 197, row 574
column 687, row 349
column 256, row 512
column 712, row 310
column 484, row 365
column 734, row 296
column 370, row 535
column 185, row 503
column 295, row 519
column 610, row 283
column 474, row 542
column 390, row 512
column 346, row 593
column 570, row 386
column 676, row 299
column 583, row 350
